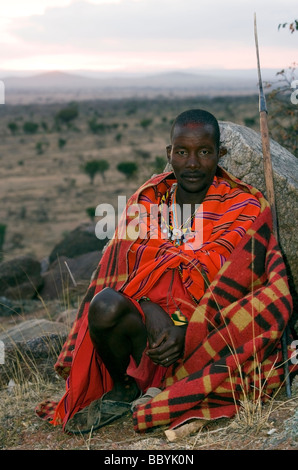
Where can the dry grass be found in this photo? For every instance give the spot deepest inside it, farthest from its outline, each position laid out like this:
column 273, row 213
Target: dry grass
column 20, row 428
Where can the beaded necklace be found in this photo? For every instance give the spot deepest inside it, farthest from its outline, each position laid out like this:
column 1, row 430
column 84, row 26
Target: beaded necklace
column 178, row 234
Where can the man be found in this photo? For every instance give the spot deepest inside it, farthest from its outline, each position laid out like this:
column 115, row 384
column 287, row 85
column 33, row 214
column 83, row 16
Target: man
column 189, row 310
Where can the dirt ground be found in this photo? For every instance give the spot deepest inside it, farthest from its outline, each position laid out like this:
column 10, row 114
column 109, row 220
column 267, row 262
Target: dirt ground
column 21, row 429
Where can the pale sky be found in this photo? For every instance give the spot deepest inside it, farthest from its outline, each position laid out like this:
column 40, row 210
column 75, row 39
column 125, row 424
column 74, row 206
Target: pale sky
column 144, row 35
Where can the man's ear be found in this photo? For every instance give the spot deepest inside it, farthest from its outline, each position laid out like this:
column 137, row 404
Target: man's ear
column 168, row 150
column 222, row 151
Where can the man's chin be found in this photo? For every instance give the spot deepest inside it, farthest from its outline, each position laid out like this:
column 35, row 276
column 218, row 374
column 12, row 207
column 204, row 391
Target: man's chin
column 193, row 187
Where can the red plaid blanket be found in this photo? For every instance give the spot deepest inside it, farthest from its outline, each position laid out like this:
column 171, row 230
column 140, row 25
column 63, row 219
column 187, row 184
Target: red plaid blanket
column 232, row 347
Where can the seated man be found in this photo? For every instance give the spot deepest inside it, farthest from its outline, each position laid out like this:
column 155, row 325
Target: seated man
column 192, row 308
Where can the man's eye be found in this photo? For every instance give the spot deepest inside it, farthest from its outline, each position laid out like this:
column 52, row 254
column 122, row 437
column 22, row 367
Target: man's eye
column 204, row 153
column 182, row 153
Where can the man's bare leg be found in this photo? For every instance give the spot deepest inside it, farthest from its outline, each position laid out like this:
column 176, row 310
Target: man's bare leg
column 117, row 332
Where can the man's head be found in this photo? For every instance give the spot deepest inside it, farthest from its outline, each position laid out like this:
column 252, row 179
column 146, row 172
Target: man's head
column 193, row 117
column 194, row 151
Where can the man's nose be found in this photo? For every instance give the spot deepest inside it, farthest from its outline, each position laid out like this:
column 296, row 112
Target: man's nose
column 193, row 160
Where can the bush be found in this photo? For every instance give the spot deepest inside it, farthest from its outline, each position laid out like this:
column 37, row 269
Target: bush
column 283, row 116
column 30, row 127
column 145, row 123
column 61, row 143
column 129, row 169
column 90, row 211
column 96, row 166
column 68, row 114
column 13, row 127
column 2, row 238
column 159, row 164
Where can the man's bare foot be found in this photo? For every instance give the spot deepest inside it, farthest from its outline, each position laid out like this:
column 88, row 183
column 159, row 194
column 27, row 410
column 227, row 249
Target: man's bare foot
column 125, row 392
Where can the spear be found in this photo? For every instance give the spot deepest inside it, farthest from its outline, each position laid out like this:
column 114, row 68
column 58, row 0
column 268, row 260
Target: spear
column 269, row 182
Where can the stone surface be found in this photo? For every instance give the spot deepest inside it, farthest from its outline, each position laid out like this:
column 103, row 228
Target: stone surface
column 79, row 241
column 244, row 159
column 57, row 280
column 20, row 278
column 31, row 349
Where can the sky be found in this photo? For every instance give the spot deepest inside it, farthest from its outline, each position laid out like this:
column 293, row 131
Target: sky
column 144, row 35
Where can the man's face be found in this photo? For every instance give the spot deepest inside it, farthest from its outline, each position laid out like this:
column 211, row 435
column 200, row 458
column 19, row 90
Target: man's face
column 194, row 156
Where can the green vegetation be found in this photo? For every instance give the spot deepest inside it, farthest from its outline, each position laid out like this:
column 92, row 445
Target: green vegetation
column 283, row 115
column 68, row 114
column 2, row 238
column 13, row 127
column 92, row 167
column 30, row 127
column 129, row 169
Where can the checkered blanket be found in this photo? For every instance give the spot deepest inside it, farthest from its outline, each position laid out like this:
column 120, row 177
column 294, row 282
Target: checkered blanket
column 232, row 345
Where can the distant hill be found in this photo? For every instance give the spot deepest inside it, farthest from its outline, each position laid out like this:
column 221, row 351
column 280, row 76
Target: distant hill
column 164, row 80
column 59, row 85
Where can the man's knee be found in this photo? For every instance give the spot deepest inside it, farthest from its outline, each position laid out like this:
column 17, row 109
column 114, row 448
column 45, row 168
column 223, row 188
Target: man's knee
column 105, row 310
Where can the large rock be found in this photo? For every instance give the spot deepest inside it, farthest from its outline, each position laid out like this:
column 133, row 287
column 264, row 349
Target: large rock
column 58, row 280
column 20, row 278
column 244, row 159
column 79, row 241
column 31, row 349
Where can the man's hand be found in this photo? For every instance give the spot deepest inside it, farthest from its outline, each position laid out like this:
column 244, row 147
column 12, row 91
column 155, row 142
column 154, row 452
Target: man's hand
column 166, row 341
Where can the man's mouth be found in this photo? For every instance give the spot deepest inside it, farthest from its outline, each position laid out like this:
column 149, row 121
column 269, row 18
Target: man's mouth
column 192, row 177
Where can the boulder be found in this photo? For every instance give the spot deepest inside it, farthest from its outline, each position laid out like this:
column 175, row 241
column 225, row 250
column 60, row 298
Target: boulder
column 8, row 307
column 31, row 349
column 244, row 159
column 57, row 280
column 20, row 278
column 79, row 241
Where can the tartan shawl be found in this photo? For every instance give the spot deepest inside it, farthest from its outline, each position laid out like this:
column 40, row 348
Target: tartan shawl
column 232, row 345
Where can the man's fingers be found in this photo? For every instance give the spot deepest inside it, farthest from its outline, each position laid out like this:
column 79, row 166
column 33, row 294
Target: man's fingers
column 159, row 341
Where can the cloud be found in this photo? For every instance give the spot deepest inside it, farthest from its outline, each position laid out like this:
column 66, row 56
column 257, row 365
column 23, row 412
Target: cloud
column 148, row 27
column 83, row 23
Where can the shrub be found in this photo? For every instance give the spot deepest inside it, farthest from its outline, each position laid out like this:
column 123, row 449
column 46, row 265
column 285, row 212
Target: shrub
column 145, row 123
column 61, row 143
column 96, row 166
column 13, row 127
column 30, row 127
column 91, row 212
column 159, row 164
column 68, row 114
column 129, row 169
column 2, row 238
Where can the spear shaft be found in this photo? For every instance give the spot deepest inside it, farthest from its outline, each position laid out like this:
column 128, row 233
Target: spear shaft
column 268, row 171
column 269, row 182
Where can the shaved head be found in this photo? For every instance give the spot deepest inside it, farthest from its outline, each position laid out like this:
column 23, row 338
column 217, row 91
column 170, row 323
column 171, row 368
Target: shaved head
column 195, row 117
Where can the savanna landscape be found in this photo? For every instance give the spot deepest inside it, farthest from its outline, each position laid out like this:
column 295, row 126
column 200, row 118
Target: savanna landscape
column 48, row 188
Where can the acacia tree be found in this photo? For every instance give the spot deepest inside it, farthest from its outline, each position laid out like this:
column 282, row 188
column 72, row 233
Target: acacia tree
column 129, row 169
column 92, row 167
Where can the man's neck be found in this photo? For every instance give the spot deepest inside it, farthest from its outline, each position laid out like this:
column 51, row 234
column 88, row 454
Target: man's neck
column 184, row 197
